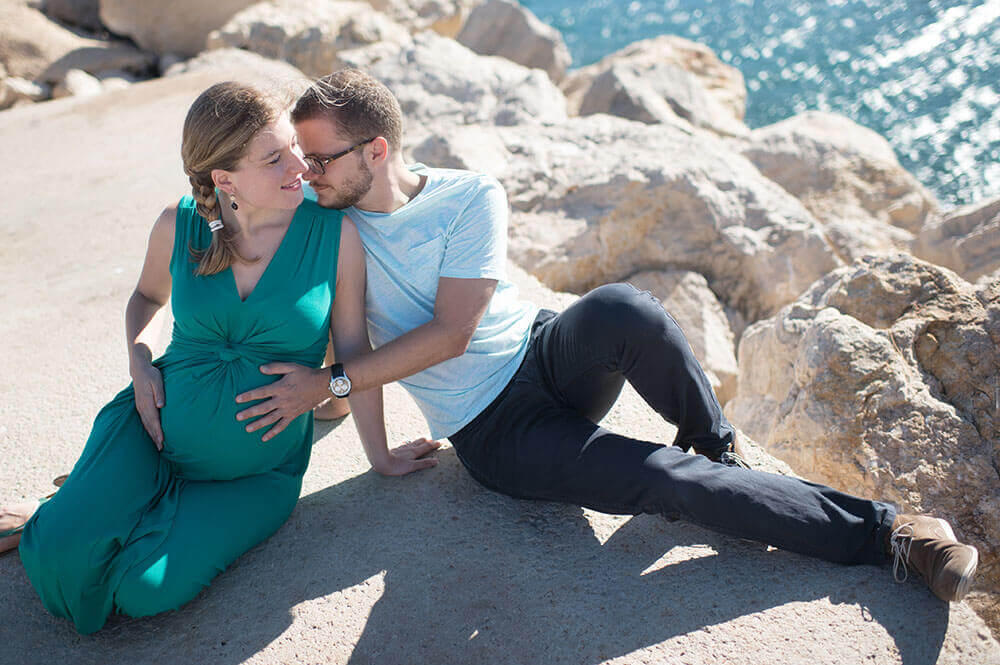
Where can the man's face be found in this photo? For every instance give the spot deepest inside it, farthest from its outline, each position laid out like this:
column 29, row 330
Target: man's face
column 348, row 179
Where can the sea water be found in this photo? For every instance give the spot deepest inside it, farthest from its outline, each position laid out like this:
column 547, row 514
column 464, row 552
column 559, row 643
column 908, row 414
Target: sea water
column 925, row 75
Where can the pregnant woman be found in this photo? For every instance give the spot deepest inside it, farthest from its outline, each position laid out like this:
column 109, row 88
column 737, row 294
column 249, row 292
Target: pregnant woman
column 171, row 488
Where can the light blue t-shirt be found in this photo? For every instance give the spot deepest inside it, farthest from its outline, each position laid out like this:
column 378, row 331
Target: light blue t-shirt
column 456, row 226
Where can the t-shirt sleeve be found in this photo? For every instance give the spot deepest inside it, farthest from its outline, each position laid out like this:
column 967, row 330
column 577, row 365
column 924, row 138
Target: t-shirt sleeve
column 477, row 238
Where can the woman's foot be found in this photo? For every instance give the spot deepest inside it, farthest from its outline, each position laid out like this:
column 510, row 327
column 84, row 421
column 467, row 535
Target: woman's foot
column 332, row 409
column 13, row 517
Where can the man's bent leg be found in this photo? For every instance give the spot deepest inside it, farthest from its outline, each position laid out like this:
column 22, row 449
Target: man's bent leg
column 618, row 331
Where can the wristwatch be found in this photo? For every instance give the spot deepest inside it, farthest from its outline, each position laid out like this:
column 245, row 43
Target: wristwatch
column 340, row 385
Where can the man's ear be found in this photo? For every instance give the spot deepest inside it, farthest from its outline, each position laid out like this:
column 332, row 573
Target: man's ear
column 223, row 181
column 380, row 149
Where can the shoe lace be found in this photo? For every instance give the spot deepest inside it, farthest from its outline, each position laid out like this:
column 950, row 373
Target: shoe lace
column 900, row 542
column 730, row 458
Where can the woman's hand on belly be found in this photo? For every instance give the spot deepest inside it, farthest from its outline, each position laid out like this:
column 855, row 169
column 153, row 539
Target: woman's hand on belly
column 147, row 382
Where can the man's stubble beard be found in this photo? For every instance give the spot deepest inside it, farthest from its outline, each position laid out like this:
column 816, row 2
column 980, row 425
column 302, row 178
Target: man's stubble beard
column 352, row 192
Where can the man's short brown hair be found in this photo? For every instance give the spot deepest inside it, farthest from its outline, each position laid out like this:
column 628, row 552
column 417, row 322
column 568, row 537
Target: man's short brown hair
column 359, row 106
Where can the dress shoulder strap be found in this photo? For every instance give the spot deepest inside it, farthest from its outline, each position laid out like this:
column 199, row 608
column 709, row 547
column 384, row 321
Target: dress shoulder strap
column 190, row 232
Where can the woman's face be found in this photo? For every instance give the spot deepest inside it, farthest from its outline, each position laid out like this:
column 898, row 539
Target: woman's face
column 269, row 175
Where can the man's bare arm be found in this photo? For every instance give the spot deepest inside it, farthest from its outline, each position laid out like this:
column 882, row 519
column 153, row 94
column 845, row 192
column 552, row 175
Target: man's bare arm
column 458, row 307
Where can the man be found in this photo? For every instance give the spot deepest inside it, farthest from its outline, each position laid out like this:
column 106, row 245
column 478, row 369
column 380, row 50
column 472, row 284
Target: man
column 519, row 391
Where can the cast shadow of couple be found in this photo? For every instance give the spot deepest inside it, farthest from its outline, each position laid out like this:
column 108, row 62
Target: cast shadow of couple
column 470, row 576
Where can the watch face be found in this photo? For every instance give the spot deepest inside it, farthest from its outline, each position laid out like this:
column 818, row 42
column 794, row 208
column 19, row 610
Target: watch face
column 340, row 386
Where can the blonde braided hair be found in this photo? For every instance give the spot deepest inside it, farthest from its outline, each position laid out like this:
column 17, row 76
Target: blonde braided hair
column 218, row 130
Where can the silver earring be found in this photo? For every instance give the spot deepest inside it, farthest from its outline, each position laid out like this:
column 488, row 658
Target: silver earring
column 233, row 205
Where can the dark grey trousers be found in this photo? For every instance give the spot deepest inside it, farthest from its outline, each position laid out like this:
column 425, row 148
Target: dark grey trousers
column 539, row 438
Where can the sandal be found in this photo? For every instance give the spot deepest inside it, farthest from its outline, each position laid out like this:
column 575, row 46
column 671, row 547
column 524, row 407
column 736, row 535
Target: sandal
column 58, row 482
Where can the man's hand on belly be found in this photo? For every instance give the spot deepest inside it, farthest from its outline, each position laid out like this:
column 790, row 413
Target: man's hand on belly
column 299, row 390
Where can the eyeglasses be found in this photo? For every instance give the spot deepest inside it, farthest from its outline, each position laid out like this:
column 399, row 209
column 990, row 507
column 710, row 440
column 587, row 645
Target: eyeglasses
column 318, row 163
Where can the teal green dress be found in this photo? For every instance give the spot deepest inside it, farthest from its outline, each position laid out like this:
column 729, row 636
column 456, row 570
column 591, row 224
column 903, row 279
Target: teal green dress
column 140, row 532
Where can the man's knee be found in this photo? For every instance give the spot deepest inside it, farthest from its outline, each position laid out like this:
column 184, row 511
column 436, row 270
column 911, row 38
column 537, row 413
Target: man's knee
column 634, row 312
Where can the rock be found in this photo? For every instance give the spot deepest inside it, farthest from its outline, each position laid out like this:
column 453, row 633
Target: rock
column 16, row 90
column 505, row 28
column 84, row 13
column 598, row 199
column 718, row 81
column 966, row 240
column 656, row 93
column 882, row 380
column 29, row 41
column 438, row 80
column 309, row 34
column 444, row 17
column 179, row 27
column 52, row 50
column 468, row 147
column 95, row 59
column 686, row 296
column 77, row 83
column 234, row 59
column 847, row 176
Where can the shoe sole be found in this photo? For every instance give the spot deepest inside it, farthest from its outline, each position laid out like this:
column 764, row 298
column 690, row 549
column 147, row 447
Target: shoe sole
column 965, row 581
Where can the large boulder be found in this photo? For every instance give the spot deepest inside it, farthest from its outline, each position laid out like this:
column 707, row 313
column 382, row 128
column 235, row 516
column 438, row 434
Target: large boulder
column 658, row 79
column 180, row 27
column 226, row 60
column 445, row 17
column 701, row 316
column 309, row 34
column 966, row 240
column 505, row 28
column 437, row 80
column 597, row 199
column 29, row 41
column 847, row 176
column 882, row 380
column 34, row 48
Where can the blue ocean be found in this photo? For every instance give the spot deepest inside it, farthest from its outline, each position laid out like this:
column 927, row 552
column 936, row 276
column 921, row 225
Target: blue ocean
column 926, row 75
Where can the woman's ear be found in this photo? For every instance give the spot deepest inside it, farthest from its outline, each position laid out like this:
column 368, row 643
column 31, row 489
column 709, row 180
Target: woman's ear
column 223, row 180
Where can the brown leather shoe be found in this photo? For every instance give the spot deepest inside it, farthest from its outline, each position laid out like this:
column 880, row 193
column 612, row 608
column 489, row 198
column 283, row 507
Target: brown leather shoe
column 928, row 546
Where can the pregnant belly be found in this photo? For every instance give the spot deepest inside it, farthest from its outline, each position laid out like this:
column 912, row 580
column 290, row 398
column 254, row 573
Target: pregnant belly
column 201, row 434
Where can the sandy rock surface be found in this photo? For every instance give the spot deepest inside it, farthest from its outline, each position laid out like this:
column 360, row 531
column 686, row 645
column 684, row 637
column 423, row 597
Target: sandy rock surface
column 966, row 240
column 882, row 379
column 430, row 568
column 505, row 28
column 308, row 34
column 847, row 176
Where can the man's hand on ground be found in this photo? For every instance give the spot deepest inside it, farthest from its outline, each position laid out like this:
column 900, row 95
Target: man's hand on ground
column 299, row 390
column 409, row 457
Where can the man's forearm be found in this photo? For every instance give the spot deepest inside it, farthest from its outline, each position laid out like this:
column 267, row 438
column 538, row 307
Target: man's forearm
column 412, row 352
